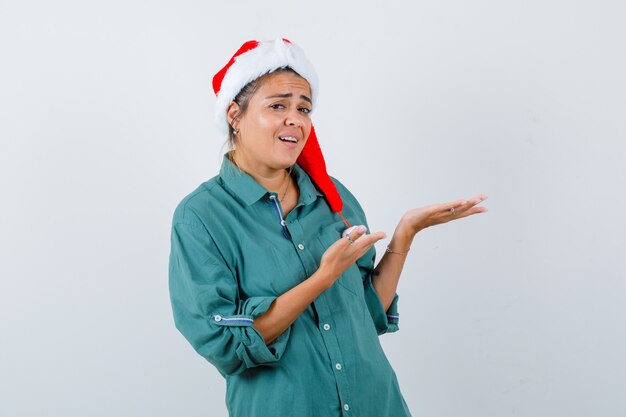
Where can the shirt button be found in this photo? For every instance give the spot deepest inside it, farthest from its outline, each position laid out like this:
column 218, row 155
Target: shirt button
column 338, row 366
column 217, row 317
column 326, row 326
column 301, row 246
column 282, row 222
column 346, row 407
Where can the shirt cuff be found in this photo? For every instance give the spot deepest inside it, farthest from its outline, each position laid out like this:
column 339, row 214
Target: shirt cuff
column 385, row 321
column 251, row 349
column 393, row 317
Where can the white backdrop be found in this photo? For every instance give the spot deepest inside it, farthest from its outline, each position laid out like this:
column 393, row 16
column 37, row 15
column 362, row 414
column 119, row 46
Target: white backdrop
column 106, row 123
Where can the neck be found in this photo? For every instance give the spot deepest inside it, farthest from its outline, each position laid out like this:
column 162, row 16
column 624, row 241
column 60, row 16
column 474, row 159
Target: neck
column 272, row 179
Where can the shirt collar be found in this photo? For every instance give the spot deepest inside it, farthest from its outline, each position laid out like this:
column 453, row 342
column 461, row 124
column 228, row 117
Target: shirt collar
column 308, row 191
column 246, row 189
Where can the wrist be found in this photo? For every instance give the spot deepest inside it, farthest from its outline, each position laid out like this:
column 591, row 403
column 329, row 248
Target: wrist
column 322, row 279
column 402, row 238
column 405, row 230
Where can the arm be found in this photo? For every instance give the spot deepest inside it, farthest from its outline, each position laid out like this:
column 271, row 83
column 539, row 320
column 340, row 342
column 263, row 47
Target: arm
column 207, row 308
column 388, row 270
column 233, row 334
column 288, row 306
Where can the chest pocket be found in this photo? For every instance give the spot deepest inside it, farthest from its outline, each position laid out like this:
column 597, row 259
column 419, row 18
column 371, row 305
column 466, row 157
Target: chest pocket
column 266, row 269
column 351, row 279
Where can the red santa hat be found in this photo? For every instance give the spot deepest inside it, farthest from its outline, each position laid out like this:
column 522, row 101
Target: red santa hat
column 254, row 59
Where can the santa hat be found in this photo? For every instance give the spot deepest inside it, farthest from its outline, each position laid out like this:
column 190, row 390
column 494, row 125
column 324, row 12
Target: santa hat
column 254, row 59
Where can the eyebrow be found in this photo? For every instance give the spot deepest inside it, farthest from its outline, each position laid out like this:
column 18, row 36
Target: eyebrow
column 289, row 95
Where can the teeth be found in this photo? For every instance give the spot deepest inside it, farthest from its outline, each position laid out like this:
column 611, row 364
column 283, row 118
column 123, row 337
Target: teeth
column 289, row 139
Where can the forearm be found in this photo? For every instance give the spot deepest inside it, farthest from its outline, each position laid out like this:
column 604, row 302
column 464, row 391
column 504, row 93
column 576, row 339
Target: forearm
column 387, row 272
column 288, row 306
column 336, row 259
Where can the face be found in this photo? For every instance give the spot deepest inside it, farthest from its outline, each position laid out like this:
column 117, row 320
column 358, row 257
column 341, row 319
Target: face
column 275, row 126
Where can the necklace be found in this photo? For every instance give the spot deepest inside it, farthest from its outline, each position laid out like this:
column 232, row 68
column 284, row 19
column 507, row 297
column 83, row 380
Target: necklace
column 287, row 186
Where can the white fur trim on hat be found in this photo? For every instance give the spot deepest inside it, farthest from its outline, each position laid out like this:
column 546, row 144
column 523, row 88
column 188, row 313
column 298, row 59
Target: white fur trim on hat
column 268, row 56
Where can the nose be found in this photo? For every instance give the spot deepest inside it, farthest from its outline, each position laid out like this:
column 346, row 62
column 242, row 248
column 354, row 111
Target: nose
column 295, row 118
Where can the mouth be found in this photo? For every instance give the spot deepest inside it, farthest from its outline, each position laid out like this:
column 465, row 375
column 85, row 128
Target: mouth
column 289, row 139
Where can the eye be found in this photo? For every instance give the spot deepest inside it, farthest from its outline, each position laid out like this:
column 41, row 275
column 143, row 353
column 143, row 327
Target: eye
column 277, row 106
column 305, row 110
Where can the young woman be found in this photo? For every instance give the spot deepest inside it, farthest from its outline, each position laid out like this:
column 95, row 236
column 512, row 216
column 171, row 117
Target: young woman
column 272, row 273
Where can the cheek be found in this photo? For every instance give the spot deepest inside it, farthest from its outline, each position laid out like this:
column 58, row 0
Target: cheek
column 264, row 121
column 258, row 129
column 308, row 127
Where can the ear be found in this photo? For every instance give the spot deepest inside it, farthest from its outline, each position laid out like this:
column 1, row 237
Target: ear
column 231, row 113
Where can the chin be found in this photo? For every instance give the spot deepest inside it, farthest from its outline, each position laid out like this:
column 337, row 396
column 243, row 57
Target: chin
column 286, row 162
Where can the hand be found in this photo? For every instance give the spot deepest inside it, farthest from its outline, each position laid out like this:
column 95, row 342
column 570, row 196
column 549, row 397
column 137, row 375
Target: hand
column 434, row 214
column 344, row 253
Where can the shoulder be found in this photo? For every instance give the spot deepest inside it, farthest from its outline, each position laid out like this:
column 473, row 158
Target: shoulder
column 344, row 192
column 350, row 202
column 195, row 205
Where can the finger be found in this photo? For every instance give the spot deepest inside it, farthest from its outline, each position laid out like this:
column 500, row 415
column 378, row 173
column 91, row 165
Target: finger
column 472, row 203
column 477, row 200
column 353, row 233
column 466, row 205
column 473, row 210
column 449, row 210
column 368, row 241
column 453, row 205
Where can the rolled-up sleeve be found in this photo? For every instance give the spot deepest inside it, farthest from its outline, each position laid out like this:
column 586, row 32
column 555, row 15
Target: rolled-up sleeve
column 385, row 321
column 206, row 305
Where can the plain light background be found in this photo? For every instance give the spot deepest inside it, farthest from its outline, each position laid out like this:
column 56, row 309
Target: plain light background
column 106, row 123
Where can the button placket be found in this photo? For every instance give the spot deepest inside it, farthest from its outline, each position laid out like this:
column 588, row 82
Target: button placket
column 279, row 213
column 334, row 351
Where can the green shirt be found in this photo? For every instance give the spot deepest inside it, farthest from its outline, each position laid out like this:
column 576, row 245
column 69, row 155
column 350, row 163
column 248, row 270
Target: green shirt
column 232, row 254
